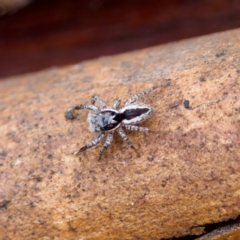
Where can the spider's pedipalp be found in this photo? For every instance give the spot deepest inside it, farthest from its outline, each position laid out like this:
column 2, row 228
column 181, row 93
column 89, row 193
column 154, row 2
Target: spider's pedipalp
column 96, row 98
column 87, row 106
column 106, row 144
column 116, row 103
column 91, row 144
column 123, row 135
column 71, row 112
column 138, row 95
column 136, row 128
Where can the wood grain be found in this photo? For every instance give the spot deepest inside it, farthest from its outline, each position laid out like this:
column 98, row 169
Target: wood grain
column 183, row 177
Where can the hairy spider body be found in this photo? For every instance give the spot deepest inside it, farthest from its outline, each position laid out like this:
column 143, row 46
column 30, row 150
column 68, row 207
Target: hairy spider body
column 107, row 120
column 110, row 119
column 103, row 121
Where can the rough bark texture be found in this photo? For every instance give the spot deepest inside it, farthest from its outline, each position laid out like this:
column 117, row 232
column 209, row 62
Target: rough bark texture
column 183, row 177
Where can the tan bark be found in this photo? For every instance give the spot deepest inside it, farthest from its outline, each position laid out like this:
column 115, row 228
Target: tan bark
column 183, row 177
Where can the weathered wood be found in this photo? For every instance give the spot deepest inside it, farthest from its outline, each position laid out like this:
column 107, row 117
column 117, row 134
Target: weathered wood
column 183, row 177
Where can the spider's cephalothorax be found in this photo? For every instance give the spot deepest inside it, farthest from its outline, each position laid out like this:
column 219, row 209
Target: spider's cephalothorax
column 107, row 120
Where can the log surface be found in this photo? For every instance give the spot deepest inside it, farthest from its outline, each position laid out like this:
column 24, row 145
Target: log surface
column 183, row 176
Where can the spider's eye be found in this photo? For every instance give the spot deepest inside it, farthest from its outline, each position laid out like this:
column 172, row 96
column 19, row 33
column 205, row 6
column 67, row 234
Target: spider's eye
column 109, row 120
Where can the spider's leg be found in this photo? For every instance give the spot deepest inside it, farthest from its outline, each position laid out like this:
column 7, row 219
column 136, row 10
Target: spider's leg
column 96, row 98
column 91, row 144
column 137, row 128
column 106, row 144
column 124, row 137
column 71, row 112
column 116, row 103
column 138, row 95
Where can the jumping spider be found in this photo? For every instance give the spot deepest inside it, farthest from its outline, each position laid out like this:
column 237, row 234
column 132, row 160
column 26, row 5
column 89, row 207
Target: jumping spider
column 107, row 120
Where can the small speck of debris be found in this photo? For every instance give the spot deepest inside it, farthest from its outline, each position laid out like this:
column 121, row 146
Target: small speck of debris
column 150, row 158
column 38, row 179
column 50, row 156
column 218, row 55
column 10, row 134
column 174, row 105
column 54, row 96
column 49, row 136
column 202, row 79
column 3, row 155
column 186, row 104
column 4, row 204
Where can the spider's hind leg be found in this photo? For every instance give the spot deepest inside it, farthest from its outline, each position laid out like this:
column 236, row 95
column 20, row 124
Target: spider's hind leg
column 123, row 135
column 91, row 144
column 137, row 128
column 143, row 129
column 125, row 138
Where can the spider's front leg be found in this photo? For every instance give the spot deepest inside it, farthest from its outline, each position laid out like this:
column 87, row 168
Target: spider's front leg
column 138, row 95
column 116, row 104
column 106, row 144
column 91, row 144
column 71, row 112
column 96, row 98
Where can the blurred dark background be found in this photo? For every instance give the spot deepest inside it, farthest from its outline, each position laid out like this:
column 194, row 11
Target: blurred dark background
column 46, row 33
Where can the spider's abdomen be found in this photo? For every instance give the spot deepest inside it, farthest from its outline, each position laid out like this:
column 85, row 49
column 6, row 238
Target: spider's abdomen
column 135, row 113
column 103, row 121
